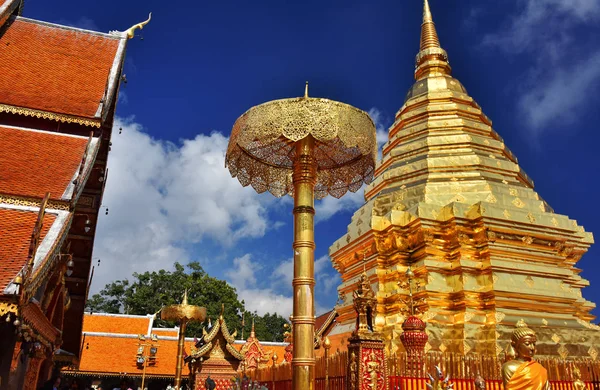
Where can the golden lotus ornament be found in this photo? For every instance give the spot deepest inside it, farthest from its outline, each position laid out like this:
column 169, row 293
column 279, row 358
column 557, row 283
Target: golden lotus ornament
column 308, row 148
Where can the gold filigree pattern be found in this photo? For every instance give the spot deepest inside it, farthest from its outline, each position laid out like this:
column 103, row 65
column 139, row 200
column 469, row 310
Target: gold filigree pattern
column 261, row 149
column 443, row 347
column 556, row 338
column 49, row 115
column 563, row 352
column 499, row 350
column 499, row 316
column 466, row 347
column 7, row 307
column 33, row 202
column 593, row 352
column 518, row 203
column 529, row 281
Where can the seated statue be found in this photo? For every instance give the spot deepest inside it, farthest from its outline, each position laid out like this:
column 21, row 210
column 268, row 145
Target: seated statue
column 523, row 372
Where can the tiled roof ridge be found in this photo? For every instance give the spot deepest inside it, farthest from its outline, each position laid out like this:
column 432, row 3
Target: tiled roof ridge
column 120, row 315
column 112, row 35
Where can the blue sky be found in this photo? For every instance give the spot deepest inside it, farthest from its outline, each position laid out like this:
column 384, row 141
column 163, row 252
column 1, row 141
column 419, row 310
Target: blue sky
column 533, row 66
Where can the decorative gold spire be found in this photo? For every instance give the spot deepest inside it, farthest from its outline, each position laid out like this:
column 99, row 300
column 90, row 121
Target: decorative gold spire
column 432, row 60
column 306, row 90
column 185, row 298
column 252, row 333
column 429, row 37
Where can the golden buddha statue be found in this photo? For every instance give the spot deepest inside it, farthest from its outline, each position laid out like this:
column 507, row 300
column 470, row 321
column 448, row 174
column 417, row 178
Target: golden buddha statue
column 523, row 372
column 578, row 384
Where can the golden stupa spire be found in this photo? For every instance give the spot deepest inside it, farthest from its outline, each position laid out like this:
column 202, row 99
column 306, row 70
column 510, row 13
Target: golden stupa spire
column 252, row 333
column 432, row 60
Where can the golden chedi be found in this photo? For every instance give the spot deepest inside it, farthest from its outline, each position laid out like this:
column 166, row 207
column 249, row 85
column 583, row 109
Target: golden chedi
column 523, row 372
column 450, row 200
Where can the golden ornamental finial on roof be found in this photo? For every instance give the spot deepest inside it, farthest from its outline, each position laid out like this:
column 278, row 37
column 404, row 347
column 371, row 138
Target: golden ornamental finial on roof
column 432, row 60
column 306, row 90
column 131, row 31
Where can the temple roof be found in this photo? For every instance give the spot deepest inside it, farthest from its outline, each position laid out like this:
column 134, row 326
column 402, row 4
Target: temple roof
column 210, row 340
column 110, row 343
column 16, row 226
column 35, row 162
column 58, row 72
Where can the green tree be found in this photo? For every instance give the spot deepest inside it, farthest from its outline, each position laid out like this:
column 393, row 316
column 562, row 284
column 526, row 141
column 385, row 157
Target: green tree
column 150, row 291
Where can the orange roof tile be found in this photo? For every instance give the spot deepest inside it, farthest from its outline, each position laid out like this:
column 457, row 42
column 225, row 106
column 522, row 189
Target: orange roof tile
column 121, row 324
column 54, row 68
column 114, row 351
column 34, row 162
column 117, row 354
column 16, row 227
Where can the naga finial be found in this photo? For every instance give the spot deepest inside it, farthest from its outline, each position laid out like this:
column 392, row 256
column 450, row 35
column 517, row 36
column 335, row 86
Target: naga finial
column 131, row 31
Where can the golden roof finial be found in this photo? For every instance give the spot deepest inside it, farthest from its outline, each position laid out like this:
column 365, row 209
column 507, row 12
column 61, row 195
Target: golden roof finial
column 252, row 333
column 429, row 37
column 432, row 60
column 131, row 31
column 185, row 299
column 306, row 90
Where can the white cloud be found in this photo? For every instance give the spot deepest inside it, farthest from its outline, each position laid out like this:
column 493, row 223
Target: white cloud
column 328, row 207
column 566, row 65
column 163, row 197
column 262, row 300
column 243, row 275
column 381, row 125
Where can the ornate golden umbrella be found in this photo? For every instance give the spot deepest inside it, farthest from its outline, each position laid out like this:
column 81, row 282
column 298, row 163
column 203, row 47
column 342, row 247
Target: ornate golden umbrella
column 182, row 313
column 305, row 147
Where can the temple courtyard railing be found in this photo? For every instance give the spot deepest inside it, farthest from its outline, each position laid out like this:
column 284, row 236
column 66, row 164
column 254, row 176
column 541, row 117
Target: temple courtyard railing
column 462, row 369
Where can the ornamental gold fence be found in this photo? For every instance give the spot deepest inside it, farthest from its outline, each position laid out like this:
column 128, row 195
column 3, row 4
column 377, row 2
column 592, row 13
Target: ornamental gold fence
column 462, row 369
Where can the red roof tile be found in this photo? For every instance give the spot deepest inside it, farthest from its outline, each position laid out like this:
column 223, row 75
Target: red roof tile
column 54, row 68
column 33, row 163
column 16, row 227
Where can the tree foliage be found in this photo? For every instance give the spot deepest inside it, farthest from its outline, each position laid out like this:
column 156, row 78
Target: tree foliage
column 150, row 291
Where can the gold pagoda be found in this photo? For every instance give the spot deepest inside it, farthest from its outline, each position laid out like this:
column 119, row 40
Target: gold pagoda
column 450, row 200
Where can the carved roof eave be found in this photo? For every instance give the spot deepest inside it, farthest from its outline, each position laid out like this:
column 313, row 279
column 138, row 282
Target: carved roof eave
column 230, row 339
column 234, row 352
column 208, row 337
column 202, row 351
column 64, row 118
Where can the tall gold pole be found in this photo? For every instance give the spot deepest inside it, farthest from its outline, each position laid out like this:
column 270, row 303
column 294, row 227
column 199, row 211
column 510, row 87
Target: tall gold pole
column 145, row 365
column 303, row 319
column 327, row 345
column 180, row 347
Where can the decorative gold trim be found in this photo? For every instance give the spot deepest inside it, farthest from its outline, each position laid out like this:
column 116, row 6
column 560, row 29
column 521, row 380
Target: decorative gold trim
column 8, row 307
column 49, row 115
column 34, row 202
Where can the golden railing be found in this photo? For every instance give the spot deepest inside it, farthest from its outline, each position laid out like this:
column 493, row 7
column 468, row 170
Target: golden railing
column 462, row 370
column 460, row 366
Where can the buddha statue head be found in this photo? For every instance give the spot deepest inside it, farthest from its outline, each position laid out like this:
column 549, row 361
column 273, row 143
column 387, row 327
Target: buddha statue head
column 523, row 341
